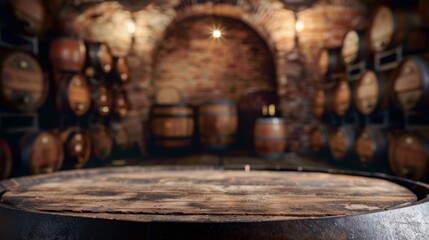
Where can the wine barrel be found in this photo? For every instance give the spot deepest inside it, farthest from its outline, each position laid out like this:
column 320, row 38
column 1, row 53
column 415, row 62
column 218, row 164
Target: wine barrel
column 31, row 14
column 121, row 70
column 212, row 203
column 409, row 155
column 23, row 86
column 371, row 146
column 423, row 9
column 372, row 93
column 41, row 152
column 98, row 60
column 390, row 28
column 121, row 103
column 67, row 54
column 102, row 99
column 217, row 124
column 354, row 48
column 342, row 98
column 322, row 103
column 74, row 94
column 330, row 62
column 270, row 137
column 341, row 144
column 5, row 159
column 319, row 139
column 249, row 108
column 172, row 126
column 101, row 141
column 77, row 147
column 411, row 84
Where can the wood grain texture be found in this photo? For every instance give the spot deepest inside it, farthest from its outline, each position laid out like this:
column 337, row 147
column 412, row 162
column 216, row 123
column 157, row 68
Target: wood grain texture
column 192, row 194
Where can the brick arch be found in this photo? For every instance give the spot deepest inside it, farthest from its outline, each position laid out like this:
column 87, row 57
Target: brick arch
column 246, row 63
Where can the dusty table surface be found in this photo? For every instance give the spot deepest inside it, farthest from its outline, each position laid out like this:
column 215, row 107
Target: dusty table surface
column 203, row 194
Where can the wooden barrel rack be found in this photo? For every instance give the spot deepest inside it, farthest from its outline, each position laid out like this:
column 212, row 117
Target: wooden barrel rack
column 212, row 203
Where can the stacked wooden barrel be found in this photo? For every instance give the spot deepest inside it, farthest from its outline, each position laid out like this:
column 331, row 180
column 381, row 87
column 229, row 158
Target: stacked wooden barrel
column 378, row 116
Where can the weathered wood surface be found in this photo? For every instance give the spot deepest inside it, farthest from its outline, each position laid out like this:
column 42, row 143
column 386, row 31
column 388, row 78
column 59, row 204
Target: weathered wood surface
column 191, row 194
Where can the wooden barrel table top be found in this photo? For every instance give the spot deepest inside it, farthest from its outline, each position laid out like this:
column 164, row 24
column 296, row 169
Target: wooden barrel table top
column 188, row 195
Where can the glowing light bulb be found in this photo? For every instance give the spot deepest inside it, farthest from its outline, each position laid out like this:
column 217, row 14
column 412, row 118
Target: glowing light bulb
column 131, row 26
column 217, row 33
column 299, row 26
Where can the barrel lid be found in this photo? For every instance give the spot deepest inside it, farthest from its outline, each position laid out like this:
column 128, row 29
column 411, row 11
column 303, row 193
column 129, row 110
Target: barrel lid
column 365, row 147
column 79, row 94
column 410, row 156
column 274, row 120
column 342, row 98
column 350, row 49
column 408, row 85
column 323, row 62
column 367, row 92
column 382, row 28
column 23, row 84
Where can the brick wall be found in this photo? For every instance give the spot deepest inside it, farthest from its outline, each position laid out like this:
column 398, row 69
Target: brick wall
column 325, row 24
column 203, row 68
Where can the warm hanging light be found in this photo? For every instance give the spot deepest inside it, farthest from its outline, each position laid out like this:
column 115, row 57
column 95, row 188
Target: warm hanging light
column 131, row 26
column 217, row 34
column 299, row 26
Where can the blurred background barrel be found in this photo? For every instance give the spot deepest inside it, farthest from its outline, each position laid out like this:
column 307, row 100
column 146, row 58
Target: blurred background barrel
column 23, row 85
column 6, row 159
column 411, row 84
column 390, row 28
column 409, row 155
column 98, row 60
column 77, row 147
column 120, row 137
column 73, row 94
column 172, row 126
column 330, row 62
column 322, row 103
column 319, row 139
column 121, row 70
column 41, row 152
column 354, row 49
column 371, row 147
column 67, row 54
column 249, row 108
column 101, row 141
column 217, row 124
column 31, row 14
column 121, row 103
column 341, row 145
column 270, row 137
column 372, row 93
column 102, row 99
column 342, row 98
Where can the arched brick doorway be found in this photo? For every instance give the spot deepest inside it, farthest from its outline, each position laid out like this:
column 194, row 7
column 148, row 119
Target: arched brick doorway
column 239, row 66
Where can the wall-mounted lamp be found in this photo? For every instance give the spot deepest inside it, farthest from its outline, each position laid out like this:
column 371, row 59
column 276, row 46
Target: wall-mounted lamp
column 299, row 26
column 131, row 26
